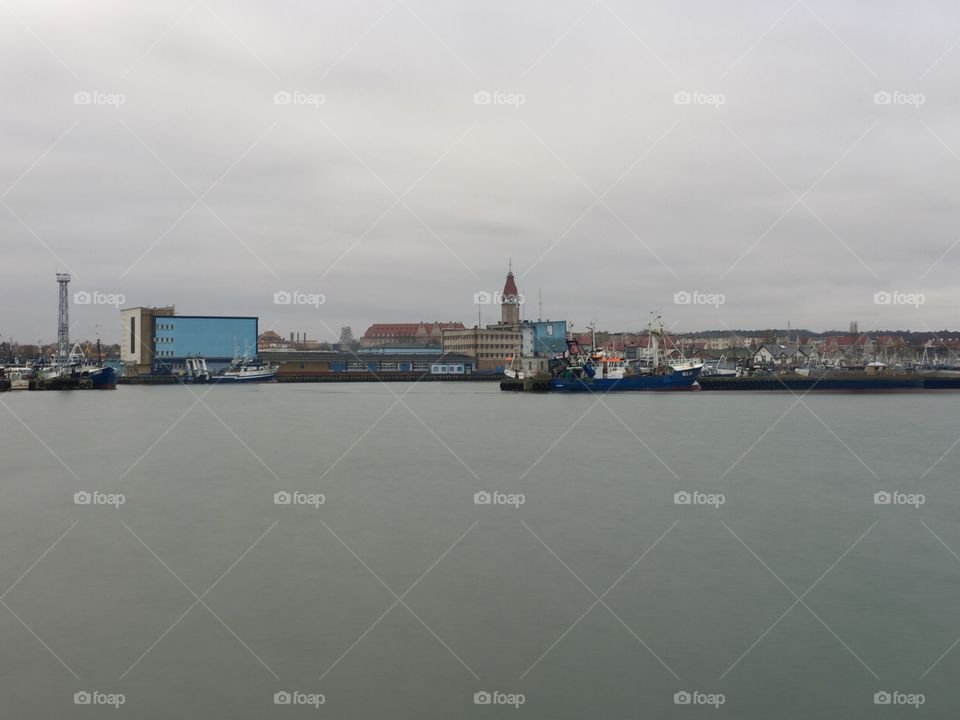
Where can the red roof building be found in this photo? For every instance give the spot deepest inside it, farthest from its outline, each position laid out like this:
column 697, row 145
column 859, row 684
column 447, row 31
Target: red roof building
column 419, row 333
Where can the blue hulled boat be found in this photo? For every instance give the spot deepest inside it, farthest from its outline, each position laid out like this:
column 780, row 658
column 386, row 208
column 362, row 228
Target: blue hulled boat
column 675, row 379
column 598, row 372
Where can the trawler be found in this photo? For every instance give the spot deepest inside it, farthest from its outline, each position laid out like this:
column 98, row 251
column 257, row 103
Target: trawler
column 597, row 371
column 75, row 372
column 244, row 369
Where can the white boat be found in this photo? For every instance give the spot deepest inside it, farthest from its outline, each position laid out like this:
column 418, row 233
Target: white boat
column 19, row 376
column 720, row 368
column 244, row 369
column 247, row 371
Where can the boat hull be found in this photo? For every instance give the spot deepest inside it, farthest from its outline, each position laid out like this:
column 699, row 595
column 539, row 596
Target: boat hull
column 676, row 380
column 97, row 378
column 246, row 378
column 104, row 378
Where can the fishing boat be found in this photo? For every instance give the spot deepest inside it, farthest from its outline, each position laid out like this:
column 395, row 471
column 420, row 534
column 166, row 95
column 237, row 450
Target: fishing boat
column 720, row 367
column 76, row 372
column 18, row 376
column 247, row 371
column 595, row 371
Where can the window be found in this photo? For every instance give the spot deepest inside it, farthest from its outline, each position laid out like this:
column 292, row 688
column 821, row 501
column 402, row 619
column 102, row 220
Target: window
column 133, row 335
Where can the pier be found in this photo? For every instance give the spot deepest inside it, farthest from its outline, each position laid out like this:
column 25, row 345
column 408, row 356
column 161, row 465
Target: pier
column 839, row 382
column 383, row 376
column 853, row 381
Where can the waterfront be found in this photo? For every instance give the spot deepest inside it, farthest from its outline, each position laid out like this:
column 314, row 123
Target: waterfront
column 299, row 584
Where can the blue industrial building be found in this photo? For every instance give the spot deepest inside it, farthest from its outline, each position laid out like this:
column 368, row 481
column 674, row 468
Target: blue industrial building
column 157, row 340
column 218, row 339
column 543, row 338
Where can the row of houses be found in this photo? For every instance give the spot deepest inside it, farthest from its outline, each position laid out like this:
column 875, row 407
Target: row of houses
column 854, row 350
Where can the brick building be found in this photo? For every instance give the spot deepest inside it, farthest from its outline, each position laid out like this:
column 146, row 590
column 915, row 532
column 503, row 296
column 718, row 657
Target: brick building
column 401, row 334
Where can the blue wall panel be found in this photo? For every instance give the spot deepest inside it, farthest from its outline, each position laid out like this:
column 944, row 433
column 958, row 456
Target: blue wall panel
column 209, row 337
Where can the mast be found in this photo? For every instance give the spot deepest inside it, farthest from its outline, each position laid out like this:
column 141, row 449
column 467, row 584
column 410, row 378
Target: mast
column 63, row 321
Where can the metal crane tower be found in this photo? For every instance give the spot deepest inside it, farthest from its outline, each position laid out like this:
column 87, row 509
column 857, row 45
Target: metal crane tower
column 63, row 323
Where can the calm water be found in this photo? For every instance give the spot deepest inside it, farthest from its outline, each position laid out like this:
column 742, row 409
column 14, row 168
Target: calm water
column 504, row 598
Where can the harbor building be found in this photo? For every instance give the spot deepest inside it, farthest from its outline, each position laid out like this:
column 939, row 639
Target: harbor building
column 540, row 340
column 494, row 347
column 543, row 337
column 407, row 334
column 382, row 361
column 157, row 340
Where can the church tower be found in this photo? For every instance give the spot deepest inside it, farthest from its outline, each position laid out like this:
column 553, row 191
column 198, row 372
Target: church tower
column 510, row 300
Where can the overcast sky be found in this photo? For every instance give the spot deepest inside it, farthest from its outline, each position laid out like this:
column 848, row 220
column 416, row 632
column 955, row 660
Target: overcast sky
column 779, row 184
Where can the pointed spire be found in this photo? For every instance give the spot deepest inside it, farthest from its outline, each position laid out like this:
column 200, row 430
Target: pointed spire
column 510, row 300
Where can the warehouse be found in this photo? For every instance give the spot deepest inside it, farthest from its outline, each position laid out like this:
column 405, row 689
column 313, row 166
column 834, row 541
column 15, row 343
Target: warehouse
column 157, row 340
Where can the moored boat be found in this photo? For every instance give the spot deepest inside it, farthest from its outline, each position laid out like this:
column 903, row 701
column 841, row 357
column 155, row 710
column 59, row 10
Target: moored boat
column 599, row 372
column 18, row 376
column 77, row 373
column 247, row 371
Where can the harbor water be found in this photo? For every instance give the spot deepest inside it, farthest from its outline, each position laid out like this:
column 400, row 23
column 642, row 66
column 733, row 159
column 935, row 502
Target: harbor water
column 425, row 550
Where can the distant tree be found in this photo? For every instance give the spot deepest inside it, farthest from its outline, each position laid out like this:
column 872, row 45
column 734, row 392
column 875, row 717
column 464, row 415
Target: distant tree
column 346, row 335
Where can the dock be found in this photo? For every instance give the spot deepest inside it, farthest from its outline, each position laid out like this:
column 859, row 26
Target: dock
column 848, row 382
column 384, row 376
column 838, row 382
column 331, row 377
